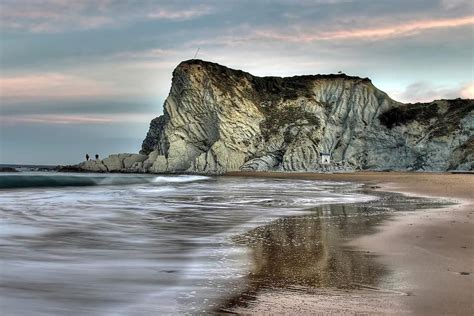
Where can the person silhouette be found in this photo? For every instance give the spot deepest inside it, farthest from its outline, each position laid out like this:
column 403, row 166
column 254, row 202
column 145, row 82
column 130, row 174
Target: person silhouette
column 87, row 156
column 96, row 156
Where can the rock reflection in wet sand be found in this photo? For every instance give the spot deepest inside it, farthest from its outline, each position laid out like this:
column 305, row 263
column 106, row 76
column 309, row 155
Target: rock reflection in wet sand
column 306, row 253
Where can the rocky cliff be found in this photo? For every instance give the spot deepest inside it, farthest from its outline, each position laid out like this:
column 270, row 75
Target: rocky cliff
column 218, row 119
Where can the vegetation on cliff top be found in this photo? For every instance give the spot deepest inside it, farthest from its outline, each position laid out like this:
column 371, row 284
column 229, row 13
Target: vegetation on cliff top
column 274, row 88
column 444, row 116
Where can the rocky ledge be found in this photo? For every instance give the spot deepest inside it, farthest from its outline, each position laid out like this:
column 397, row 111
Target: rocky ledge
column 217, row 119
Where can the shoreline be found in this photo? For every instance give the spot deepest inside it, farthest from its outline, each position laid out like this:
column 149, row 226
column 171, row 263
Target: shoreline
column 432, row 249
column 430, row 252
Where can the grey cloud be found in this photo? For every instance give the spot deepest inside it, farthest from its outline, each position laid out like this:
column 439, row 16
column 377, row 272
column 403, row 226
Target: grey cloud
column 52, row 16
column 426, row 92
column 110, row 106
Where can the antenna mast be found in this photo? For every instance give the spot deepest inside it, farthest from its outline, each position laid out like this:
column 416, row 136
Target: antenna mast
column 195, row 55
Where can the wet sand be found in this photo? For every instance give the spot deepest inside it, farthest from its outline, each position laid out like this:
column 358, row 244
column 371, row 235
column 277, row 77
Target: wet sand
column 429, row 254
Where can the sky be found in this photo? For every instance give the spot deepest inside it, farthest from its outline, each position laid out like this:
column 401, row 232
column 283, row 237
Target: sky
column 87, row 76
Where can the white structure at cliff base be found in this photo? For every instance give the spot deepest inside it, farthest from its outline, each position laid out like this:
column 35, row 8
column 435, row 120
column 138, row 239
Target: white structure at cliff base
column 325, row 158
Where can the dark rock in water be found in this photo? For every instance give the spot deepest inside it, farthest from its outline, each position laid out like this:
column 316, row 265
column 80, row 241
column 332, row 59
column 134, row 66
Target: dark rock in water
column 8, row 169
column 218, row 119
column 70, row 168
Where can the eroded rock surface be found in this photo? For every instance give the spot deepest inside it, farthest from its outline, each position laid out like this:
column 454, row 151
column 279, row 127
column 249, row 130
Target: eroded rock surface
column 218, row 119
column 116, row 163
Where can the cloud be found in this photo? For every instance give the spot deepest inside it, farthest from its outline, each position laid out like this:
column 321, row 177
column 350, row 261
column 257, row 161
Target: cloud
column 313, row 2
column 52, row 16
column 467, row 91
column 77, row 119
column 376, row 32
column 152, row 53
column 455, row 4
column 56, row 16
column 50, row 85
column 180, row 15
column 427, row 92
column 55, row 119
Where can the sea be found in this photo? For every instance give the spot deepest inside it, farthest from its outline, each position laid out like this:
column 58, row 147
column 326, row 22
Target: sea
column 129, row 244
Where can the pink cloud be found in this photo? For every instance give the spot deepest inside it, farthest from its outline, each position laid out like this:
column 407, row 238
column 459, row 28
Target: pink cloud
column 54, row 119
column 378, row 32
column 296, row 35
column 82, row 119
column 427, row 92
column 467, row 91
column 50, row 85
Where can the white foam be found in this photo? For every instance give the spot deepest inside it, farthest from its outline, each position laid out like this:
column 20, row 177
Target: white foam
column 179, row 179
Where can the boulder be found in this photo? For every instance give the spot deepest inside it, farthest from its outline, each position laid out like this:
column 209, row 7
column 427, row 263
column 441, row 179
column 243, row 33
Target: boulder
column 93, row 166
column 160, row 165
column 129, row 161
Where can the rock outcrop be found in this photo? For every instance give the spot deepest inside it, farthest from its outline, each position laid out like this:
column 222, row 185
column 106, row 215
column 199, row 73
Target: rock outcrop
column 218, row 119
column 116, row 163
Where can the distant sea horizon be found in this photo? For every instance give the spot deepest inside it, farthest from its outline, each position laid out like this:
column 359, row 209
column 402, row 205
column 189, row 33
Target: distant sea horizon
column 28, row 167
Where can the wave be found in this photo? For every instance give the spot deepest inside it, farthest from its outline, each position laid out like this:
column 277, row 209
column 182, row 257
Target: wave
column 12, row 181
column 178, row 179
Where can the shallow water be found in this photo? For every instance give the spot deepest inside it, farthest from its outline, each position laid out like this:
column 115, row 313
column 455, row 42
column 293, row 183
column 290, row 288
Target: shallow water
column 160, row 245
column 309, row 254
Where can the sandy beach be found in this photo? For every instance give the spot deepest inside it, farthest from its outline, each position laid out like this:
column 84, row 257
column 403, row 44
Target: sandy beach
column 430, row 253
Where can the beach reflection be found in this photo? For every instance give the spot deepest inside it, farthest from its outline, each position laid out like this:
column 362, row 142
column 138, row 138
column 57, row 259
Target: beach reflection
column 310, row 252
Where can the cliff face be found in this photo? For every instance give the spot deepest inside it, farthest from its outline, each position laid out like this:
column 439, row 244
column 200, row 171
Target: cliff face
column 218, row 119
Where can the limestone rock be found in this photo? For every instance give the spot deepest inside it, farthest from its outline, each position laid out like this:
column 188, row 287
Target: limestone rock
column 150, row 160
column 93, row 166
column 114, row 162
column 218, row 119
column 160, row 165
column 264, row 163
column 130, row 161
